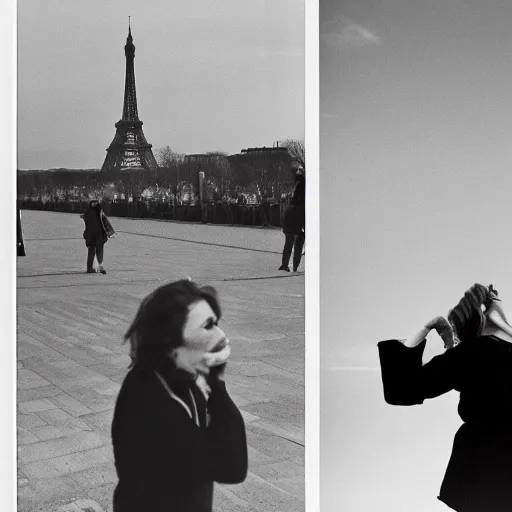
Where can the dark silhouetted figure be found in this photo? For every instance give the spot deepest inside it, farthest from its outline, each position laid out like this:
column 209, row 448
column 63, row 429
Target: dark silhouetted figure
column 294, row 224
column 97, row 232
column 477, row 364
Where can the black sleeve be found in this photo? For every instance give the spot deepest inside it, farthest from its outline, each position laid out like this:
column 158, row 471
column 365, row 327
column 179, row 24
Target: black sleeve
column 157, row 432
column 227, row 430
column 87, row 220
column 406, row 381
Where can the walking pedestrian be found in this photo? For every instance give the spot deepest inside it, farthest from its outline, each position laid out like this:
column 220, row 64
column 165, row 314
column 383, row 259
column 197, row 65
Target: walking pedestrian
column 294, row 224
column 176, row 430
column 97, row 232
column 478, row 364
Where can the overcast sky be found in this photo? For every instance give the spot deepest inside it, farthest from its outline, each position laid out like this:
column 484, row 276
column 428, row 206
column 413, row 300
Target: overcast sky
column 416, row 161
column 415, row 195
column 209, row 76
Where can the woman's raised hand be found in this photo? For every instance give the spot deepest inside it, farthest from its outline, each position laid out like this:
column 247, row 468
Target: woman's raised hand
column 217, row 360
column 443, row 328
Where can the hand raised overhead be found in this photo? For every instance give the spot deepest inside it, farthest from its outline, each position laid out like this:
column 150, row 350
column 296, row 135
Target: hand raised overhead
column 444, row 329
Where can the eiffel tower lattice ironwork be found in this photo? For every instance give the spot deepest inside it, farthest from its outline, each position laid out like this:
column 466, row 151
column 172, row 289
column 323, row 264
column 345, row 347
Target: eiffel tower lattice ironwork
column 129, row 150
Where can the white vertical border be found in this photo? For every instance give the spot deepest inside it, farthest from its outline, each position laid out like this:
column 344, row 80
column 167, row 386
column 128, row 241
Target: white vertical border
column 312, row 291
column 8, row 481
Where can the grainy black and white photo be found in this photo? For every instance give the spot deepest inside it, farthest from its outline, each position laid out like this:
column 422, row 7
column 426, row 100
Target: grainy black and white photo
column 160, row 211
column 415, row 259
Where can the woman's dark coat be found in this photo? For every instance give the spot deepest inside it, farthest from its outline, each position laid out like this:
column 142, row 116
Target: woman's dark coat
column 165, row 461
column 97, row 227
column 294, row 218
column 479, row 474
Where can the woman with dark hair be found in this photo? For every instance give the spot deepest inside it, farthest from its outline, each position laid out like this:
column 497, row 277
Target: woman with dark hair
column 294, row 223
column 175, row 430
column 478, row 364
column 97, row 232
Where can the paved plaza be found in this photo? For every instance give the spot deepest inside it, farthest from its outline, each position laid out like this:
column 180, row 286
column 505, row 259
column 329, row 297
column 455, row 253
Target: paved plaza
column 71, row 360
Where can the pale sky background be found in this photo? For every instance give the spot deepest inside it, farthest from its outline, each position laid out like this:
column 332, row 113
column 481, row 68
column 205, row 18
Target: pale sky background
column 416, row 206
column 209, row 76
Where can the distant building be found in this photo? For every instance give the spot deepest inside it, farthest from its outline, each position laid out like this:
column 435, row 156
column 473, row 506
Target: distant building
column 203, row 160
column 271, row 157
column 269, row 167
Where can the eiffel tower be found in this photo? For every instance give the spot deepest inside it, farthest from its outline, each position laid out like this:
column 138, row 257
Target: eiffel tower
column 129, row 151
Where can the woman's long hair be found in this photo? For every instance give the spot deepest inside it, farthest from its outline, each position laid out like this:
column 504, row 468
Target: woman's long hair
column 467, row 318
column 158, row 324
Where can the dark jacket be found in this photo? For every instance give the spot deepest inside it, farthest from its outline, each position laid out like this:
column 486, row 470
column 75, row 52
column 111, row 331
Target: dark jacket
column 165, row 461
column 479, row 474
column 97, row 227
column 294, row 218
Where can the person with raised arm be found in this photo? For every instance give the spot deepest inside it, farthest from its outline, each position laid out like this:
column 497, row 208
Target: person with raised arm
column 176, row 430
column 477, row 363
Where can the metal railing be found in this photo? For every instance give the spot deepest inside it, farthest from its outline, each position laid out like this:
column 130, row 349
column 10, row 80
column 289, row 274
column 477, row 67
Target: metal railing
column 265, row 215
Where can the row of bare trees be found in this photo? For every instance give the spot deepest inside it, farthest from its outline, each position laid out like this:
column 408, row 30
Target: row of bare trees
column 263, row 173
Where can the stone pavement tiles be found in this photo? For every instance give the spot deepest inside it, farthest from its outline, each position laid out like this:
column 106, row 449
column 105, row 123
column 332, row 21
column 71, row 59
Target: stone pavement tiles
column 71, row 360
